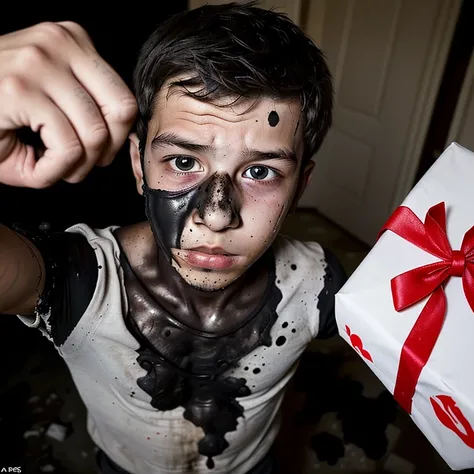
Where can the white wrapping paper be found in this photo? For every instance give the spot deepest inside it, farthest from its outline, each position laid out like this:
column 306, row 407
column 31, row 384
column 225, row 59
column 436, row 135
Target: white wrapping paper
column 367, row 319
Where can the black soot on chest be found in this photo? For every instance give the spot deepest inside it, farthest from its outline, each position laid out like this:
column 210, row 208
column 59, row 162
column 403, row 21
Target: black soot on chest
column 273, row 118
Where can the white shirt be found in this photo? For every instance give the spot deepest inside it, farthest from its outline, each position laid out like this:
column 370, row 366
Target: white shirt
column 101, row 355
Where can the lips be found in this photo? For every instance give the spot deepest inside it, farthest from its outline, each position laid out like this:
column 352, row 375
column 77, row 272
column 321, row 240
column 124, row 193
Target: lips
column 212, row 258
column 453, row 418
column 357, row 343
column 211, row 250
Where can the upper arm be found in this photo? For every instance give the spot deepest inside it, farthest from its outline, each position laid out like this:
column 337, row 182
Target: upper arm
column 335, row 277
column 69, row 275
column 22, row 273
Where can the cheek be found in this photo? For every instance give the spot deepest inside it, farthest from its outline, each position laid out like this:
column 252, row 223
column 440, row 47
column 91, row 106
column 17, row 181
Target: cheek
column 262, row 216
column 267, row 199
column 154, row 175
column 193, row 235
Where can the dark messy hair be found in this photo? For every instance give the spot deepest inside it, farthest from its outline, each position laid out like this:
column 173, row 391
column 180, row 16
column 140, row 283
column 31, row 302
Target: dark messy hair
column 236, row 50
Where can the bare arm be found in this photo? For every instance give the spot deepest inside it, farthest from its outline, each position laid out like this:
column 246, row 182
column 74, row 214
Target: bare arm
column 54, row 82
column 22, row 273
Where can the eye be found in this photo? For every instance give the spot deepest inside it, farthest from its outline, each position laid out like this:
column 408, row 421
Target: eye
column 184, row 163
column 259, row 173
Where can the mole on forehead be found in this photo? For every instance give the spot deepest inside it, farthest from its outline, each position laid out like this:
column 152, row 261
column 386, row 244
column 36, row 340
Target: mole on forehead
column 273, row 118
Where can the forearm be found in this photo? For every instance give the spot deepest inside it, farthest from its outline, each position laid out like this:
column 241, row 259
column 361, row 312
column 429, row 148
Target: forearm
column 21, row 273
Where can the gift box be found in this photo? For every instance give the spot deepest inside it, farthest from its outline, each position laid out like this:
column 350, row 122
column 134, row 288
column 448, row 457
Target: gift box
column 408, row 309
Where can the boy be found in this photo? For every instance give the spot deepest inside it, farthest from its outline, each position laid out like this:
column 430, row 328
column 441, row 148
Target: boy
column 181, row 332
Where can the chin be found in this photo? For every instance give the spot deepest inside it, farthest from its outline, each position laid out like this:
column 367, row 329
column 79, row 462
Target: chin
column 204, row 287
column 207, row 284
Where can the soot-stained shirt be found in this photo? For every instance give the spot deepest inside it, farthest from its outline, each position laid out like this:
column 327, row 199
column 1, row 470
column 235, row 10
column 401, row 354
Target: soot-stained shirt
column 144, row 410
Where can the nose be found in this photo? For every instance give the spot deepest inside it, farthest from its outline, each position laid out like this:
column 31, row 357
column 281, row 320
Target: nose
column 217, row 205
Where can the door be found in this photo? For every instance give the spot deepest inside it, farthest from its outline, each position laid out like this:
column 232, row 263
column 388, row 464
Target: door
column 386, row 58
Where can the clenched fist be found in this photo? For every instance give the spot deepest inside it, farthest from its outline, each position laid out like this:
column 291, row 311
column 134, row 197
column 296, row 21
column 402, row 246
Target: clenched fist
column 53, row 81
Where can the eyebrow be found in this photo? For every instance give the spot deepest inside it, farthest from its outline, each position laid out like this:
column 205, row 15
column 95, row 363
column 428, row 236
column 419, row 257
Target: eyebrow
column 278, row 154
column 171, row 139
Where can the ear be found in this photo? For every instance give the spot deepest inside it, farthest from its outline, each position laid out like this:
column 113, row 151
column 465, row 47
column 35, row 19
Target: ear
column 303, row 182
column 136, row 161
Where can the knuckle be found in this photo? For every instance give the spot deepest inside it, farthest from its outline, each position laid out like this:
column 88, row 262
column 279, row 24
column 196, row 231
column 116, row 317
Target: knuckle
column 74, row 27
column 52, row 33
column 31, row 57
column 42, row 182
column 77, row 30
column 96, row 138
column 12, row 86
column 70, row 152
column 125, row 110
column 75, row 178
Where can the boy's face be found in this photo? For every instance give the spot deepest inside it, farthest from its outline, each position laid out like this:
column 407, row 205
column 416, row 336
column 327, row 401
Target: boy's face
column 244, row 160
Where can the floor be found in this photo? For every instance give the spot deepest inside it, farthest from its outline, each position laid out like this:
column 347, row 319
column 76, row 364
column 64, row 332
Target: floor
column 42, row 418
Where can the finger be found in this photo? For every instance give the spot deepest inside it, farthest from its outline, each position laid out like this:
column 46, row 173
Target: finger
column 80, row 35
column 84, row 115
column 26, row 107
column 70, row 44
column 114, row 99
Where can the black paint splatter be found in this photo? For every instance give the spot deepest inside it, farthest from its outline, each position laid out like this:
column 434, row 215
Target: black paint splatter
column 284, row 325
column 293, row 267
column 182, row 368
column 281, row 340
column 256, row 371
column 273, row 118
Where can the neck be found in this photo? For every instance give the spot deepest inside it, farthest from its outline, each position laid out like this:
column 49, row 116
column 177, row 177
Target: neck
column 213, row 311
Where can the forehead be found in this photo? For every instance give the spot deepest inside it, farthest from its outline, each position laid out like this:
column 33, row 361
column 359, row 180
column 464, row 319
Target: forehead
column 262, row 122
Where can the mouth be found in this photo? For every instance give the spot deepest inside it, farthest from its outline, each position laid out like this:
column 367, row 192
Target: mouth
column 211, row 258
column 212, row 251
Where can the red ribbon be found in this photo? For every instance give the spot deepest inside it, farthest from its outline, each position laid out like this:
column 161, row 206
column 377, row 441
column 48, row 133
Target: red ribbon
column 414, row 285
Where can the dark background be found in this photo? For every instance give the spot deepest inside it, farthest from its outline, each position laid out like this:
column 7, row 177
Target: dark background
column 108, row 196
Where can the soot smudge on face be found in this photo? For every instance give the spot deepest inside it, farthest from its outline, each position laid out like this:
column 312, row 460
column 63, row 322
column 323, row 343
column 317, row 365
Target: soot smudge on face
column 217, row 195
column 273, row 118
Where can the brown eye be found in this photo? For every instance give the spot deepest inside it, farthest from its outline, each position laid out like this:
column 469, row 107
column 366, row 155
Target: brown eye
column 185, row 163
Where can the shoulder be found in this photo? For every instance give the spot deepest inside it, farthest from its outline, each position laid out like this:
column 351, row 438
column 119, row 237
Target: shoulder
column 290, row 251
column 317, row 269
column 73, row 258
column 308, row 254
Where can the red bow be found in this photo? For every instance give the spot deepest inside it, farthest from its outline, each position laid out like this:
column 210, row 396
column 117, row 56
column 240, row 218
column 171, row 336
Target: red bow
column 414, row 285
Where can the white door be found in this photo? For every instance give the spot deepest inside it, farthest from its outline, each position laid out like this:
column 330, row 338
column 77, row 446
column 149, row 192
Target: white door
column 386, row 58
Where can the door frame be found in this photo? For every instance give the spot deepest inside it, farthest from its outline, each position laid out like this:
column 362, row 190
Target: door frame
column 429, row 87
column 463, row 101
